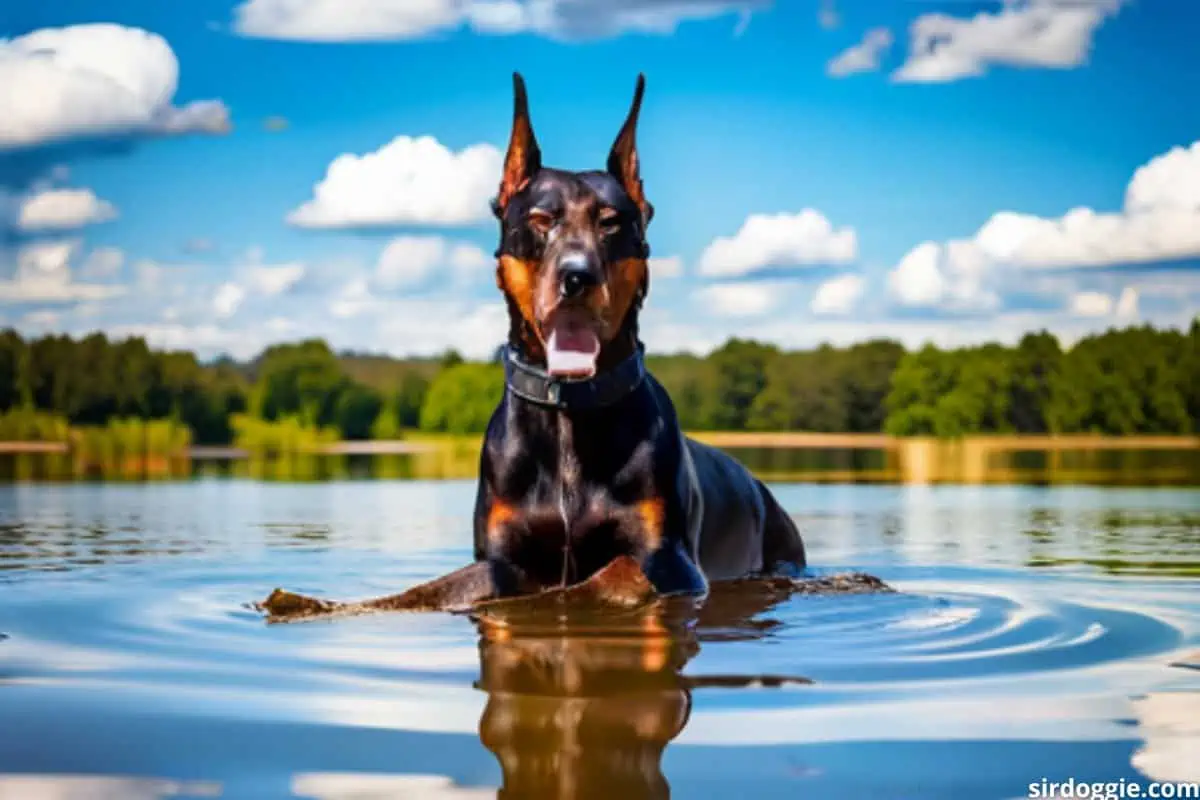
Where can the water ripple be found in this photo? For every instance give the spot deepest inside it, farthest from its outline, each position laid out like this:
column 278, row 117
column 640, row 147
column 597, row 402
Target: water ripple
column 149, row 667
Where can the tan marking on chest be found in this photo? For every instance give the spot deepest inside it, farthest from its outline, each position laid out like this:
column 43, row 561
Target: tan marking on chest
column 652, row 513
column 499, row 514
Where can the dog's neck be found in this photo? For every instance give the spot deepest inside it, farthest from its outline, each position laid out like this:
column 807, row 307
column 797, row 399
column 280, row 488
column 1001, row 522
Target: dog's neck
column 530, row 382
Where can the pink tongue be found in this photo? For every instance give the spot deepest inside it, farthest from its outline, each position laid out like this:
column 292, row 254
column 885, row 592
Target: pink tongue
column 571, row 351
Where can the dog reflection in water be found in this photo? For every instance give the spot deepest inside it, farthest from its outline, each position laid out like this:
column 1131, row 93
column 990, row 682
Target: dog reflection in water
column 585, row 707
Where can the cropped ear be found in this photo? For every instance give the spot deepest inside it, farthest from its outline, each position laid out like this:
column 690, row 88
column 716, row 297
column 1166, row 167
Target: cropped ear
column 623, row 158
column 524, row 158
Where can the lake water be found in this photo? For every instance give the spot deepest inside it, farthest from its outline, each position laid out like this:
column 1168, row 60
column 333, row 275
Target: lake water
column 1038, row 633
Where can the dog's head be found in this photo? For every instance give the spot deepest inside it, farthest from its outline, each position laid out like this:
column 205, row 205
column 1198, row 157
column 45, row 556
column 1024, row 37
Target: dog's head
column 572, row 256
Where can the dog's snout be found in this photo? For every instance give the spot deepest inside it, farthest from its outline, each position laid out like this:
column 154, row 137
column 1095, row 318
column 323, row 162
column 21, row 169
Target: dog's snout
column 576, row 275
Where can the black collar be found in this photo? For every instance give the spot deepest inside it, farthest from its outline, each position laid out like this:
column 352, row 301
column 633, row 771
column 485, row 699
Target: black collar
column 538, row 386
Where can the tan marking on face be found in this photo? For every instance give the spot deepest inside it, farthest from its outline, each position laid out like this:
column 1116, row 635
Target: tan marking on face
column 545, row 296
column 518, row 280
column 627, row 277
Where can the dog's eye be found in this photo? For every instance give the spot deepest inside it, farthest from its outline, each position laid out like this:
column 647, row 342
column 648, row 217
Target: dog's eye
column 610, row 221
column 542, row 221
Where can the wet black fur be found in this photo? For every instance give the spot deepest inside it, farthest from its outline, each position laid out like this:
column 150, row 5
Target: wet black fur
column 571, row 481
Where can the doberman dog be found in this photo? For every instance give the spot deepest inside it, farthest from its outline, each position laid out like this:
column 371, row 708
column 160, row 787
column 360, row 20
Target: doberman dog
column 584, row 459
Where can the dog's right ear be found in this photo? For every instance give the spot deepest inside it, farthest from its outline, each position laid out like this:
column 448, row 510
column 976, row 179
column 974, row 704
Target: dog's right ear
column 524, row 158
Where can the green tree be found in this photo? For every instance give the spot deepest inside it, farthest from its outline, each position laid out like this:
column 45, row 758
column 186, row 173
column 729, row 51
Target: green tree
column 867, row 379
column 16, row 389
column 1037, row 363
column 804, row 391
column 462, row 398
column 920, row 380
column 408, row 399
column 302, row 380
column 828, row 389
column 682, row 376
column 1189, row 373
column 1123, row 382
column 979, row 395
column 386, row 426
column 357, row 409
column 736, row 372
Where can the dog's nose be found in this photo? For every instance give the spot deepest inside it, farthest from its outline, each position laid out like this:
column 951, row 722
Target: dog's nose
column 575, row 276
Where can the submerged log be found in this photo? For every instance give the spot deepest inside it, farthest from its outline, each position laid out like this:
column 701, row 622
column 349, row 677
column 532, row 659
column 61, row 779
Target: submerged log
column 456, row 591
column 619, row 586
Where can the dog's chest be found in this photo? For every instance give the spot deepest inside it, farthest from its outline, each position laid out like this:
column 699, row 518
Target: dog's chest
column 583, row 492
column 592, row 478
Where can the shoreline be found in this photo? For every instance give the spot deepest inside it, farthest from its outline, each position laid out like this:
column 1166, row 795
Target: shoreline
column 797, row 440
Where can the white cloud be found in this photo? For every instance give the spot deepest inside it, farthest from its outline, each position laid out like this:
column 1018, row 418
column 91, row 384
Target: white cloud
column 740, row 299
column 359, row 20
column 779, row 240
column 103, row 262
column 408, row 261
column 1160, row 223
column 1091, row 304
column 1098, row 304
column 917, row 280
column 281, row 325
column 355, row 299
column 41, row 319
column 950, row 275
column 414, row 327
column 1127, row 305
column 87, row 310
column 46, row 258
column 1086, row 238
column 430, row 327
column 251, row 279
column 43, row 275
column 862, row 57
column 665, row 267
column 838, row 295
column 1170, row 181
column 228, row 299
column 207, row 338
column 467, row 258
column 63, row 209
column 149, row 275
column 273, row 281
column 1054, row 34
column 94, row 80
column 407, row 181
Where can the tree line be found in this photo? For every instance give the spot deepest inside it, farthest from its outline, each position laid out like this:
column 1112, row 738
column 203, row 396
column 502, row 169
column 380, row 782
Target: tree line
column 1128, row 381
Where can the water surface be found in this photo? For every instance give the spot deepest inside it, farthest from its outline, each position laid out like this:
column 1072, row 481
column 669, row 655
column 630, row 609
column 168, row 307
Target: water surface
column 1033, row 637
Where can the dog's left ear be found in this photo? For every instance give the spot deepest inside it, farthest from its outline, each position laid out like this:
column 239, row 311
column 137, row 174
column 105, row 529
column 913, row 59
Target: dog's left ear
column 623, row 158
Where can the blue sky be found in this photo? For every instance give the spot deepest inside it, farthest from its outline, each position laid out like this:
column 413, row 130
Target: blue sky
column 222, row 175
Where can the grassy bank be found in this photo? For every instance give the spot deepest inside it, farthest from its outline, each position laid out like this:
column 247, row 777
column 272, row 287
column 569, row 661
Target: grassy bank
column 38, row 446
column 45, row 446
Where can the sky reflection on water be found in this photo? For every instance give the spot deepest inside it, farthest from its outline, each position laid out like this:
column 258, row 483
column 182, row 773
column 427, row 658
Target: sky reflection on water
column 1032, row 638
